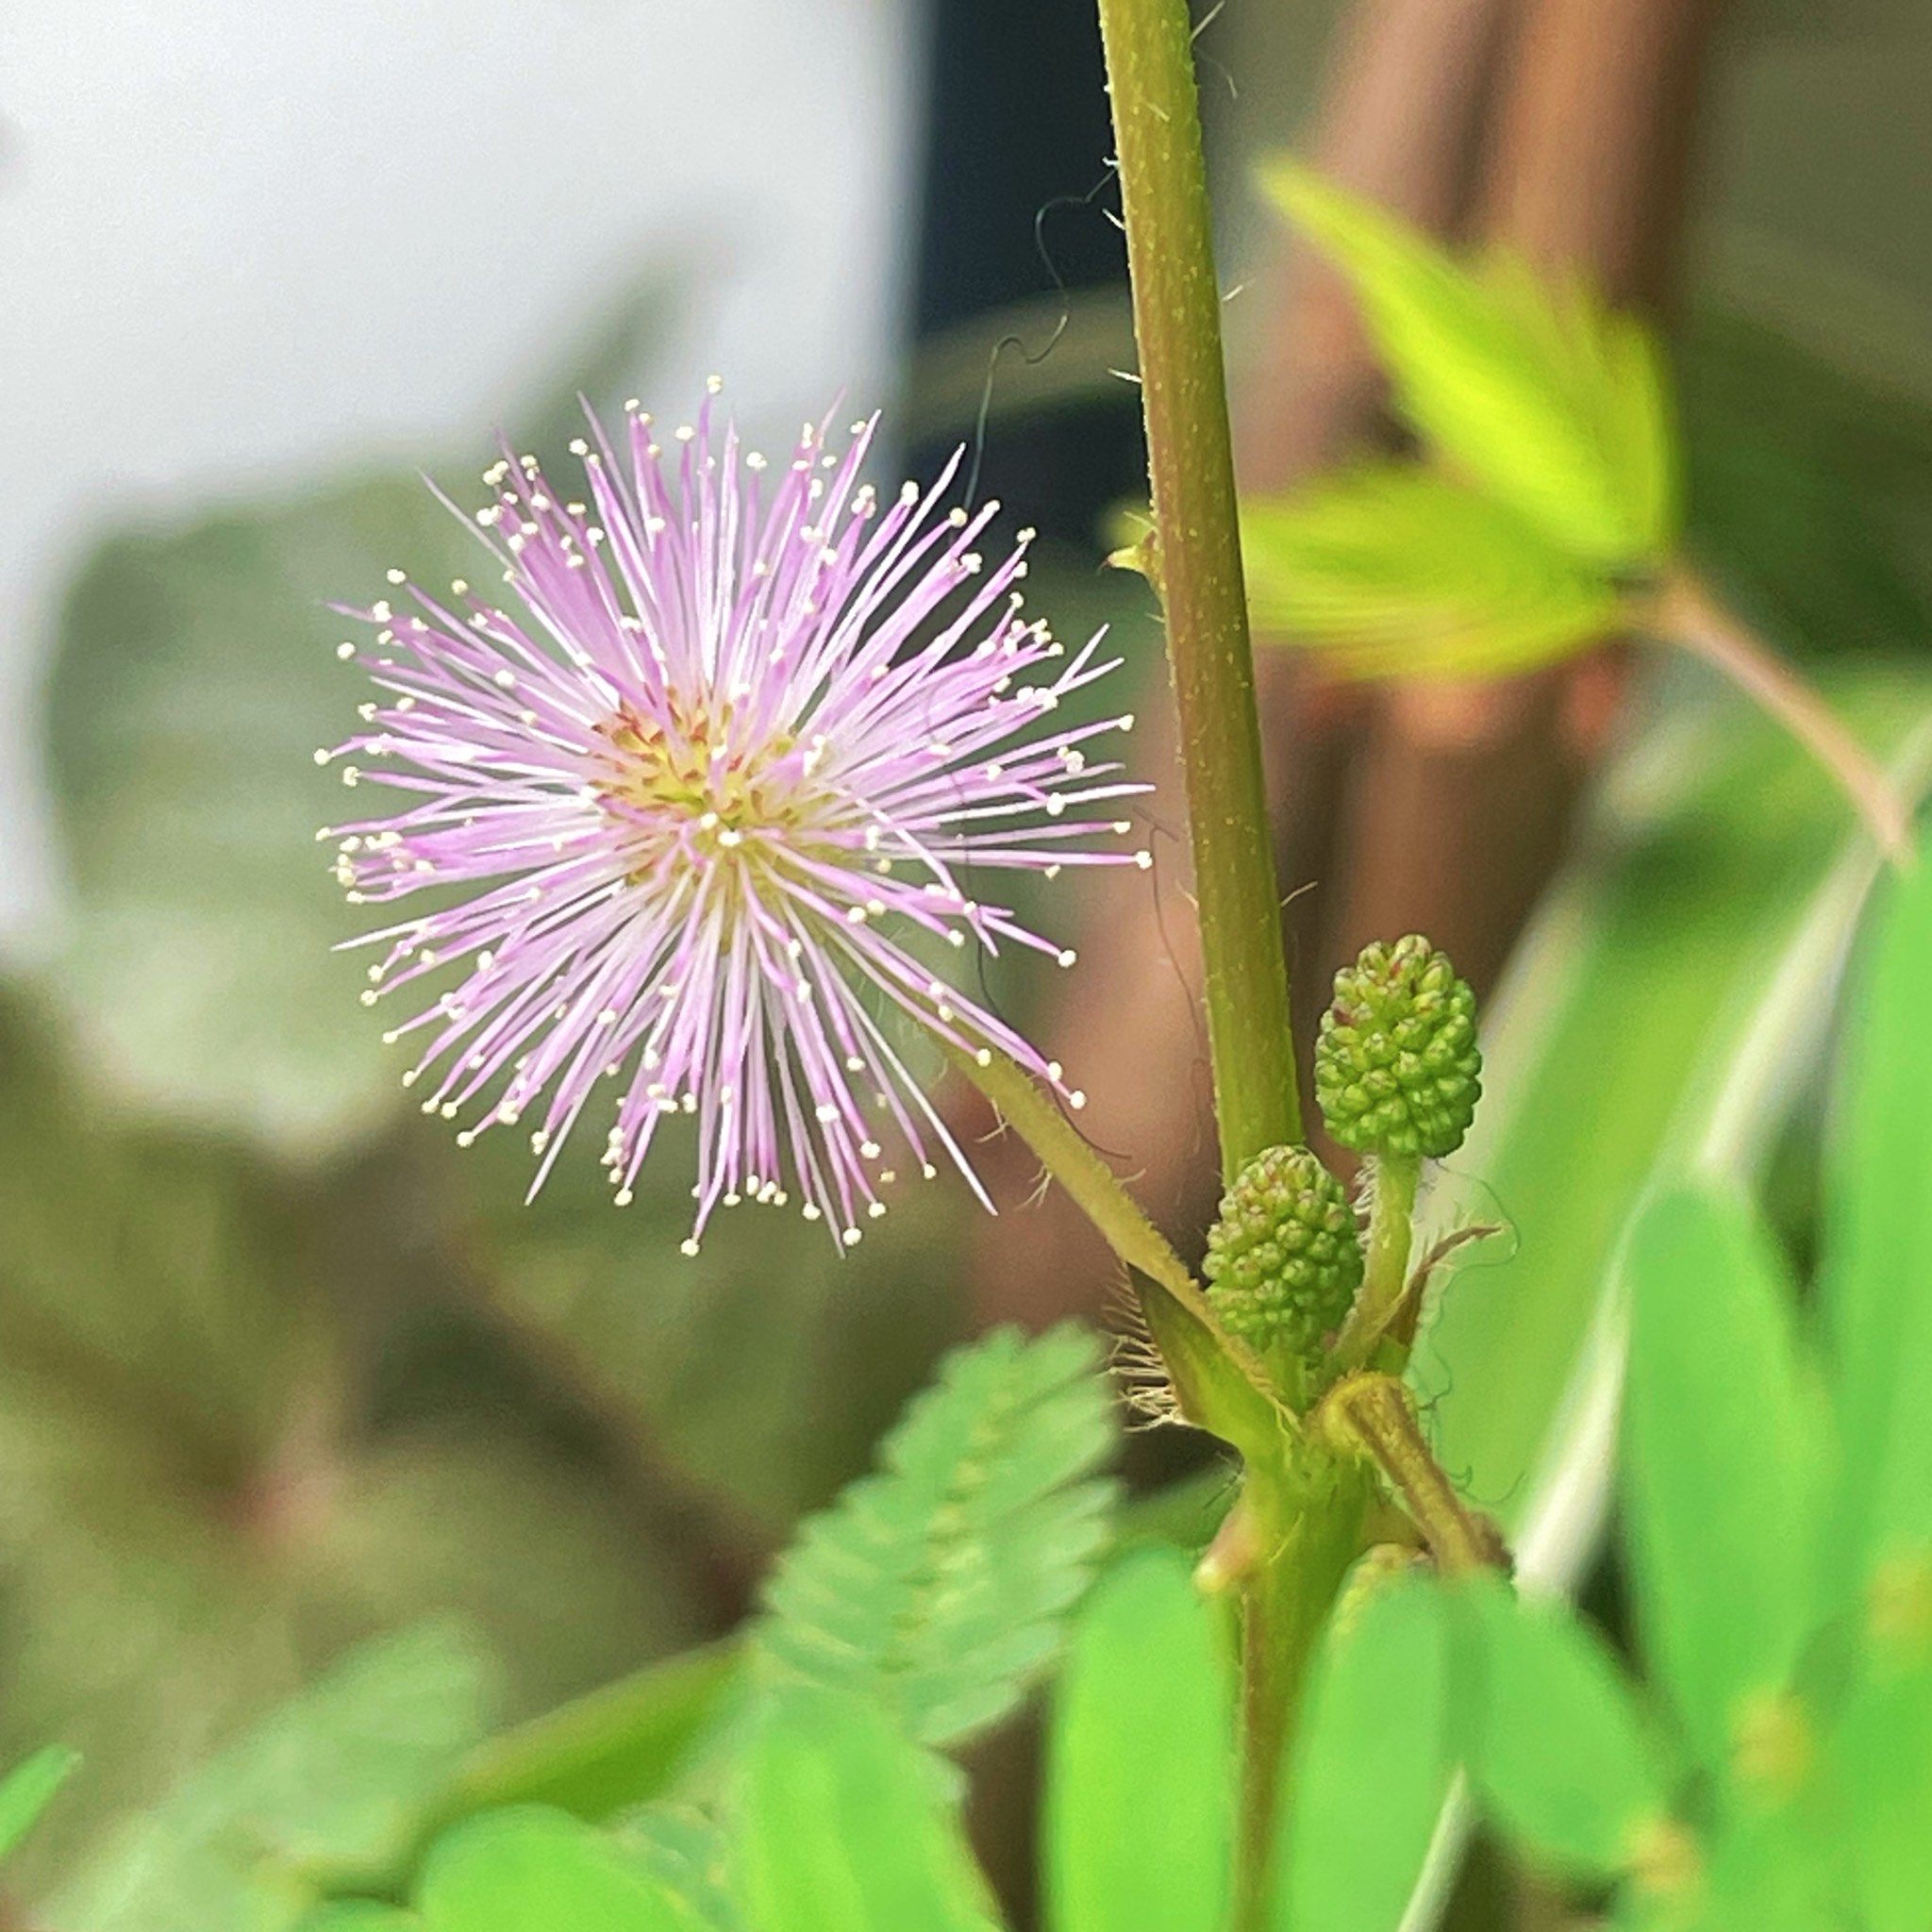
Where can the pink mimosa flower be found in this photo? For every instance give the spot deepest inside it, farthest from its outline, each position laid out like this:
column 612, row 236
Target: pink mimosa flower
column 699, row 805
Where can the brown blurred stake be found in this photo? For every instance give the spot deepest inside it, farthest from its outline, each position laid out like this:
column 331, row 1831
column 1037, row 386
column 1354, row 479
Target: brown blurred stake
column 1591, row 151
column 1400, row 121
column 1465, row 794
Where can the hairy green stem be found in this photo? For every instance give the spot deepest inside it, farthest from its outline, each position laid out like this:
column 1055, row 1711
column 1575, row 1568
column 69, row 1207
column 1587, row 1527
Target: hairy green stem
column 1304, row 1541
column 1375, row 1415
column 1150, row 66
column 1218, row 1382
column 1034, row 1115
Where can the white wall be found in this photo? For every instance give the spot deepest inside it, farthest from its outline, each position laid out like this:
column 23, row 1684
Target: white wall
column 243, row 238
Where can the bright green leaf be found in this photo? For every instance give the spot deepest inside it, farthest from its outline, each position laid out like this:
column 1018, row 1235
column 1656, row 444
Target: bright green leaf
column 1762, row 1875
column 1372, row 1766
column 28, row 1788
column 360, row 1915
column 1556, row 1745
column 1877, row 1271
column 687, row 1853
column 1532, row 391
column 538, row 1871
column 940, row 1586
column 841, row 1826
column 1721, row 1455
column 1140, row 1754
column 1394, row 570
column 1881, row 1756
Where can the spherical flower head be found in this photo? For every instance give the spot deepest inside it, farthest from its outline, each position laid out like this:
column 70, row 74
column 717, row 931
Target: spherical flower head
column 1397, row 1069
column 1283, row 1260
column 700, row 798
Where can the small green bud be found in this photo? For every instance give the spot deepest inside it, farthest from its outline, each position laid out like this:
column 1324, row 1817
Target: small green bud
column 1283, row 1260
column 1396, row 1065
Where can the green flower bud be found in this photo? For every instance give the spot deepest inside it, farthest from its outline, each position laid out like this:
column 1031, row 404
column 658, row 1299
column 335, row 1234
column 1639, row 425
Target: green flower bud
column 1283, row 1260
column 1396, row 1065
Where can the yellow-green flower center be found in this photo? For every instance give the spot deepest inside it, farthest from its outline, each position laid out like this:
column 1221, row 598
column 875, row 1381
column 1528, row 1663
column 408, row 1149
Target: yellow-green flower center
column 733, row 797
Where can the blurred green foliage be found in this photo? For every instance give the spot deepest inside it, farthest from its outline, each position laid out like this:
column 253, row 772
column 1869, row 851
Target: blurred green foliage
column 912, row 1613
column 197, row 678
column 1809, row 488
column 327, row 1789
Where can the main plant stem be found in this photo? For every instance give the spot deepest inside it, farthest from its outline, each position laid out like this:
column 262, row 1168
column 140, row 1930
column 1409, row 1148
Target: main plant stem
column 1304, row 1541
column 1150, row 66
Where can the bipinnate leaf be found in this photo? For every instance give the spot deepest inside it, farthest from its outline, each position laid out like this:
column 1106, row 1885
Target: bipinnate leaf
column 939, row 1586
column 1877, row 1283
column 1720, row 1450
column 839, row 1825
column 1556, row 1745
column 334, row 1783
column 532, row 1870
column 28, row 1788
column 1141, row 1755
column 1394, row 570
column 1372, row 1767
column 1535, row 391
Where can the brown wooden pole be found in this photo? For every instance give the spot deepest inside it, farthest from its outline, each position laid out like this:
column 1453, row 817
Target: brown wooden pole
column 1465, row 794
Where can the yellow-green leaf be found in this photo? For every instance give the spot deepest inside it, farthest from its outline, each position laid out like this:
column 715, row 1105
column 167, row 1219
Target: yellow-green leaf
column 1876, row 1282
column 1394, row 570
column 28, row 1788
column 1881, row 1755
column 531, row 1870
column 1534, row 390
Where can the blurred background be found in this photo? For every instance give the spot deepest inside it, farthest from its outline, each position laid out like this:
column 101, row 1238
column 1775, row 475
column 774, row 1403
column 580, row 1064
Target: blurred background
column 278, row 1366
